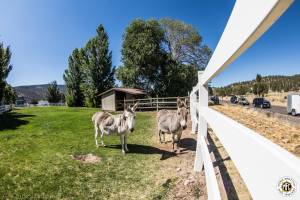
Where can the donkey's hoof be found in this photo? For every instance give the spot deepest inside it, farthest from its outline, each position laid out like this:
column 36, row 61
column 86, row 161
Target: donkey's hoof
column 123, row 152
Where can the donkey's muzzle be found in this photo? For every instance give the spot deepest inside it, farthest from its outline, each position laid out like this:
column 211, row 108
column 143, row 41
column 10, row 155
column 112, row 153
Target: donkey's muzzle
column 131, row 130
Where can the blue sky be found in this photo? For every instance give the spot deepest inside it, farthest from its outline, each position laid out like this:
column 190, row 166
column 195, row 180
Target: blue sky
column 43, row 33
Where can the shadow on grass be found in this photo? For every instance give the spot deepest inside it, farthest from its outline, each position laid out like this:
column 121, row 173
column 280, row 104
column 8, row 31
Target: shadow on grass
column 12, row 120
column 144, row 149
column 228, row 184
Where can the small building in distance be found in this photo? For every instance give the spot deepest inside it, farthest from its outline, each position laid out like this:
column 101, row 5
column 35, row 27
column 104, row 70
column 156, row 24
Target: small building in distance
column 20, row 101
column 113, row 99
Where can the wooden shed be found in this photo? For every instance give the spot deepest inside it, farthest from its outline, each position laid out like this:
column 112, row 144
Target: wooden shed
column 113, row 99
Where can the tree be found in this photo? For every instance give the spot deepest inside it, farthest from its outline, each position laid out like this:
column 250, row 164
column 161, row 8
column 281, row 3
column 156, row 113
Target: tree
column 53, row 93
column 175, row 79
column 5, row 68
column 220, row 91
column 73, row 77
column 97, row 68
column 151, row 63
column 9, row 94
column 241, row 89
column 142, row 55
column 259, row 87
column 210, row 90
column 184, row 43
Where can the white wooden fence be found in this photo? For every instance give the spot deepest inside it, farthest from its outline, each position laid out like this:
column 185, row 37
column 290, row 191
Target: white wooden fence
column 5, row 108
column 261, row 163
column 152, row 103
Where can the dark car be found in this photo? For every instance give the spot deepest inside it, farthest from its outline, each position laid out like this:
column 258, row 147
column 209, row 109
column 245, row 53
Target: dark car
column 243, row 101
column 234, row 100
column 261, row 102
column 214, row 100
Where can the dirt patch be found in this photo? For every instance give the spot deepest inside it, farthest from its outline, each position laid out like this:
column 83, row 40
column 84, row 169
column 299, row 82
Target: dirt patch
column 182, row 182
column 87, row 159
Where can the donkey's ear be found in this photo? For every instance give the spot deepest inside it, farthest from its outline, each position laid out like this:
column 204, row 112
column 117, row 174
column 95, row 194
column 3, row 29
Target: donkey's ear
column 135, row 106
column 179, row 102
column 125, row 106
column 185, row 102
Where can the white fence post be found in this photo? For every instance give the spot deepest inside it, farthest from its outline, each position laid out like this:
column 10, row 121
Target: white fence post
column 202, row 124
column 193, row 111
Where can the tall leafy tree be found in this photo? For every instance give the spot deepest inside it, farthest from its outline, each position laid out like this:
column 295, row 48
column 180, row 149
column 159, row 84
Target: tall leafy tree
column 176, row 79
column 5, row 68
column 184, row 43
column 53, row 93
column 142, row 55
column 155, row 59
column 259, row 87
column 97, row 68
column 73, row 77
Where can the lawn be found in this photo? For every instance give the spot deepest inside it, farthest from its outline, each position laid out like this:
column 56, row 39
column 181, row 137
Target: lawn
column 36, row 145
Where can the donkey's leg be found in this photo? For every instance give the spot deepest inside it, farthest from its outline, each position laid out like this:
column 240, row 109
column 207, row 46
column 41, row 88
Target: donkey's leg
column 102, row 134
column 179, row 140
column 96, row 134
column 164, row 137
column 122, row 143
column 125, row 142
column 173, row 141
column 159, row 135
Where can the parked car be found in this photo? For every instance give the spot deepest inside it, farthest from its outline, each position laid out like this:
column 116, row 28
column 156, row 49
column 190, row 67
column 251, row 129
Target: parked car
column 293, row 104
column 234, row 100
column 214, row 100
column 243, row 101
column 261, row 102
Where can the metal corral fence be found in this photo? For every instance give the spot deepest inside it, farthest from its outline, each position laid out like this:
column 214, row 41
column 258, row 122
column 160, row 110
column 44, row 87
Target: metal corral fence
column 157, row 103
column 5, row 108
column 269, row 171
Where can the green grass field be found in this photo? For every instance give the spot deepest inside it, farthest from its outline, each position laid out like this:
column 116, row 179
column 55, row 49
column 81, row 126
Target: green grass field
column 35, row 162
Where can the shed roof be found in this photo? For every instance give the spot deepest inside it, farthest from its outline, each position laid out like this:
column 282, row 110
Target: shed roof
column 133, row 91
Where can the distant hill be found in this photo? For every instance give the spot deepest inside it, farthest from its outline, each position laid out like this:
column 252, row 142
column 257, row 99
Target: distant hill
column 276, row 83
column 37, row 92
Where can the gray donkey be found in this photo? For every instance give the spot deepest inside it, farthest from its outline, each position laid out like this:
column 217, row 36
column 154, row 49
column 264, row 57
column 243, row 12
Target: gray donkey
column 173, row 122
column 121, row 124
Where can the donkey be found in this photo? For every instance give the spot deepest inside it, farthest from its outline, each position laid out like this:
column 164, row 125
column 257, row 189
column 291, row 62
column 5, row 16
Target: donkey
column 121, row 124
column 173, row 122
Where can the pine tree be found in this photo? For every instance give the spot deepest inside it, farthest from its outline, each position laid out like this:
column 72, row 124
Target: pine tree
column 98, row 70
column 74, row 78
column 53, row 93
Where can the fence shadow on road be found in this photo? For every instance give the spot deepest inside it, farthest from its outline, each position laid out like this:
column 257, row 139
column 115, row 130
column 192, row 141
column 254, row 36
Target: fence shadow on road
column 12, row 120
column 144, row 149
column 228, row 184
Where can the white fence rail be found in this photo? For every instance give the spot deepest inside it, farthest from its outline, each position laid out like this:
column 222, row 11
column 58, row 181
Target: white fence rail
column 261, row 163
column 152, row 103
column 5, row 108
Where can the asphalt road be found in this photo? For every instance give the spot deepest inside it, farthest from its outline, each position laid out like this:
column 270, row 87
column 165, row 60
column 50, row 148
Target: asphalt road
column 275, row 109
